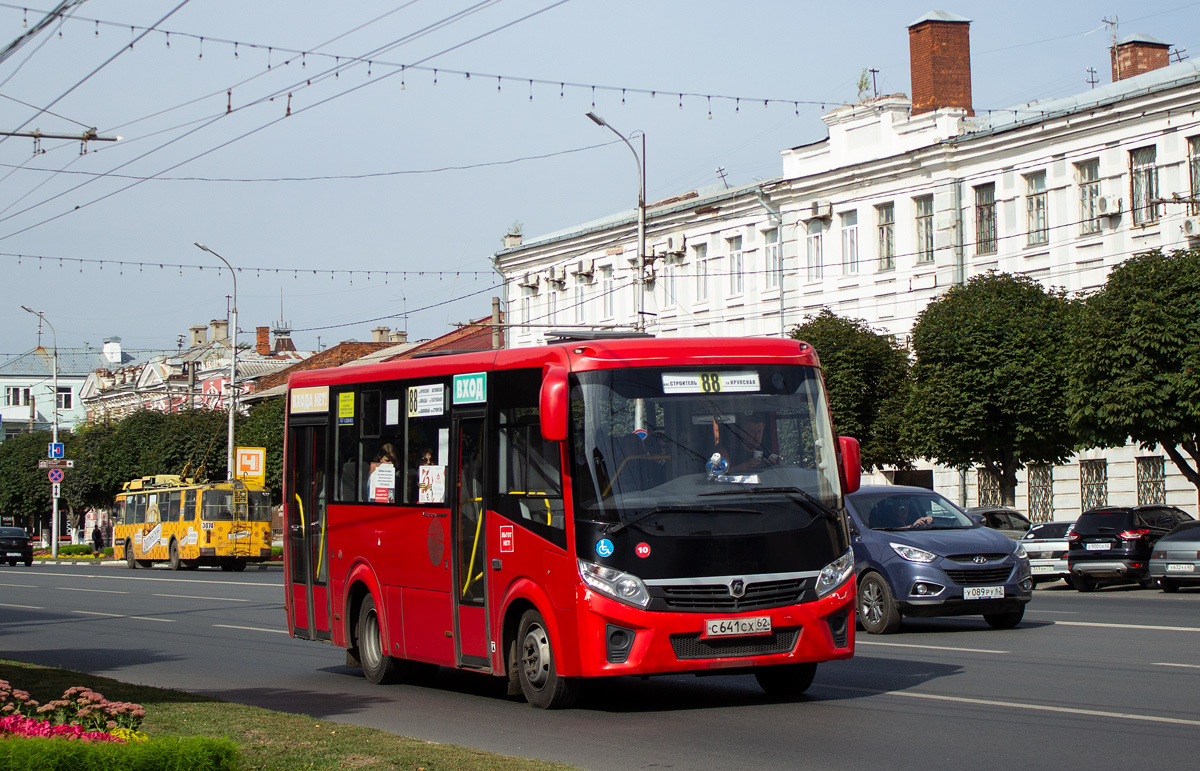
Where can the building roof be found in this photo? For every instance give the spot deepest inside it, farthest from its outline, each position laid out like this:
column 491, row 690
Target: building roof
column 939, row 16
column 335, row 356
column 78, row 362
column 473, row 336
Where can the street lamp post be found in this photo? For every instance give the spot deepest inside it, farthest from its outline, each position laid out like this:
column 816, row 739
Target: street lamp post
column 229, row 467
column 639, row 296
column 54, row 424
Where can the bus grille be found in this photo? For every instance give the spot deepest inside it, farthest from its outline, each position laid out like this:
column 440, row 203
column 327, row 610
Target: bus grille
column 690, row 646
column 980, row 577
column 716, row 597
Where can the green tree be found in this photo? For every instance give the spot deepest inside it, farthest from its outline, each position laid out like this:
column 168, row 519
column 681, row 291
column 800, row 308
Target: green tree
column 24, row 488
column 81, row 487
column 866, row 376
column 1137, row 371
column 989, row 380
column 263, row 427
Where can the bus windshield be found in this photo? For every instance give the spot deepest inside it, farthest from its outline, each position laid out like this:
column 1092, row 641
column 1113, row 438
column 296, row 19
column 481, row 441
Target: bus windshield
column 726, row 443
column 218, row 506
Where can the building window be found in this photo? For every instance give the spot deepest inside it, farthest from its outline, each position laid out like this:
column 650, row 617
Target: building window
column 1144, row 180
column 1151, row 481
column 850, row 243
column 1089, row 196
column 607, row 290
column 773, row 265
column 987, row 488
column 1035, row 208
column 736, row 266
column 814, row 251
column 580, row 296
column 1093, row 483
column 924, row 228
column 985, row 219
column 668, row 284
column 702, row 273
column 1194, row 173
column 65, row 400
column 1041, row 492
column 886, row 214
column 15, row 396
column 552, row 307
column 524, row 319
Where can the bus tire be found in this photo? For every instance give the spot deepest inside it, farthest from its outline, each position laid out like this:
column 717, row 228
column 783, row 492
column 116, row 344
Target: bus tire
column 130, row 562
column 173, row 559
column 543, row 687
column 784, row 680
column 239, row 566
column 378, row 667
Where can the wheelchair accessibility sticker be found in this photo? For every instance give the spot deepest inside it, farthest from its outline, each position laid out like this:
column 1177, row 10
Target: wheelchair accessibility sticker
column 604, row 547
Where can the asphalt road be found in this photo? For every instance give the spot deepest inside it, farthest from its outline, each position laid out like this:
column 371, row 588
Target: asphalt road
column 1087, row 681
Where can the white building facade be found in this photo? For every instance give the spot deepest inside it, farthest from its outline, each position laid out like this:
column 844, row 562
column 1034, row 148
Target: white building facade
column 903, row 199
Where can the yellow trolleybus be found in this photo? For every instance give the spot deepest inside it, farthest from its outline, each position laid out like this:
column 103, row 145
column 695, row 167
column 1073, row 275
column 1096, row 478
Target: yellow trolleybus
column 169, row 518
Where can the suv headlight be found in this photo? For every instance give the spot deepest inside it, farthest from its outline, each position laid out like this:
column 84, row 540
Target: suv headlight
column 912, row 553
column 835, row 573
column 1020, row 552
column 617, row 584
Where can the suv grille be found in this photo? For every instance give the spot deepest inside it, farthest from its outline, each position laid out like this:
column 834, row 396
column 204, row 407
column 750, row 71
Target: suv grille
column 716, row 597
column 979, row 577
column 970, row 558
column 690, row 646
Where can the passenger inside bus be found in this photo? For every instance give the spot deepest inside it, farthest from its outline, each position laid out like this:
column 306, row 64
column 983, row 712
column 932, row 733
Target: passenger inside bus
column 381, row 481
column 743, row 444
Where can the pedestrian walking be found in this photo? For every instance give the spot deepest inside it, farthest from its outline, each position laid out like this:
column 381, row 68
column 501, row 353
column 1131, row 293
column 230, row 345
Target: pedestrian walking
column 97, row 539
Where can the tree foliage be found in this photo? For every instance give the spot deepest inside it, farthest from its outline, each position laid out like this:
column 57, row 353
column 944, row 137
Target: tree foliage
column 24, row 489
column 989, row 381
column 866, row 377
column 263, row 427
column 1137, row 370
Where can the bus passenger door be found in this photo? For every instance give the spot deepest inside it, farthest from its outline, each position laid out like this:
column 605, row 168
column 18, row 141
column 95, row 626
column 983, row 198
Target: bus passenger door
column 469, row 533
column 309, row 572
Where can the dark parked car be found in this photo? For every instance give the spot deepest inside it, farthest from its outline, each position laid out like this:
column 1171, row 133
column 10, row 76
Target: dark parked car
column 1175, row 561
column 15, row 545
column 1046, row 544
column 1011, row 522
column 1112, row 545
column 916, row 554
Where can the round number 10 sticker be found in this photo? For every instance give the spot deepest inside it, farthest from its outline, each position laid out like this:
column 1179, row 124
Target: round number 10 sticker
column 643, row 550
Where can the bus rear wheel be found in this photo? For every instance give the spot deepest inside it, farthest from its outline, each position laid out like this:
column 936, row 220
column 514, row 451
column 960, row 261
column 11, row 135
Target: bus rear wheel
column 130, row 562
column 543, row 687
column 174, row 560
column 786, row 679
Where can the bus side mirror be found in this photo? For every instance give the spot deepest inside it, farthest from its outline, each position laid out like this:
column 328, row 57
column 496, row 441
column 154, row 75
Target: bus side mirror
column 553, row 403
column 851, row 464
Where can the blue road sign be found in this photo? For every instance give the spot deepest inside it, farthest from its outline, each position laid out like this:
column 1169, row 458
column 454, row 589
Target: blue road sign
column 55, row 450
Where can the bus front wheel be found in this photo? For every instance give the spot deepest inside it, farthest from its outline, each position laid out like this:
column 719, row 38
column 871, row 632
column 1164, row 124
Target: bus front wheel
column 129, row 560
column 377, row 665
column 786, row 679
column 543, row 687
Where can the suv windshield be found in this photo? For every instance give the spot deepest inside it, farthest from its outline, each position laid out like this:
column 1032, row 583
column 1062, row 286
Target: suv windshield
column 909, row 511
column 650, row 444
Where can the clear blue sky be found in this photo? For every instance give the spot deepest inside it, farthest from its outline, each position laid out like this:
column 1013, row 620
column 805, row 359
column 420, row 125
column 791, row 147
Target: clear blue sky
column 454, row 163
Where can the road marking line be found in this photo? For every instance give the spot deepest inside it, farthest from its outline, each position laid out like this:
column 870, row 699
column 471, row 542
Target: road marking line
column 119, row 615
column 76, row 589
column 1170, row 664
column 1151, row 627
column 930, row 647
column 27, row 607
column 215, row 582
column 251, row 628
column 1031, row 707
column 1059, row 612
column 21, row 586
column 194, row 597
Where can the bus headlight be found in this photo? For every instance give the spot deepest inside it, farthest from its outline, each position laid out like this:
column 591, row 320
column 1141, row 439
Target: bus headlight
column 617, row 584
column 835, row 573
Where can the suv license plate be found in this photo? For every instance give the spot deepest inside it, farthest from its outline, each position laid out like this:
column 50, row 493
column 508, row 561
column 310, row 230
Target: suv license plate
column 736, row 627
column 1181, row 567
column 18, row 554
column 983, row 592
column 1099, row 546
column 1042, row 568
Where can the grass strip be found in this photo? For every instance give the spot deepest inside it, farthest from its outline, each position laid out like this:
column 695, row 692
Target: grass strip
column 196, row 753
column 268, row 740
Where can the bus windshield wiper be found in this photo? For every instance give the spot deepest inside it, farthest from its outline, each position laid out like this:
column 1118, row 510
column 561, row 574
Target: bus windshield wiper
column 803, row 497
column 617, row 527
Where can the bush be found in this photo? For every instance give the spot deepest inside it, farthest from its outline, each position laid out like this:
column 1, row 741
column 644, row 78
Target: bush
column 75, row 549
column 166, row 754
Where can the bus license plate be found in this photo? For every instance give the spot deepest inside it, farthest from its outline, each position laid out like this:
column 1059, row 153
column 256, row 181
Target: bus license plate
column 736, row 627
column 983, row 593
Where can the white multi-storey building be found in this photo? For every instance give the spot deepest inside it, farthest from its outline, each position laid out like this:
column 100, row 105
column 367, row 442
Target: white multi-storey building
column 904, row 198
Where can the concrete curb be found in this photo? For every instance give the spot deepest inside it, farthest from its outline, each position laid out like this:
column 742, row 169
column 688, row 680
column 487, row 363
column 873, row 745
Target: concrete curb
column 121, row 563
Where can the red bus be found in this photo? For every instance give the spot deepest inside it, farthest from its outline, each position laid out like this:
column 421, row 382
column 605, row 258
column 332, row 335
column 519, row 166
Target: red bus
column 592, row 508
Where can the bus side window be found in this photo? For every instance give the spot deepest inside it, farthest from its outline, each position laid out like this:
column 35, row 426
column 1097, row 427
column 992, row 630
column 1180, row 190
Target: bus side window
column 173, row 505
column 119, row 514
column 529, row 479
column 189, row 506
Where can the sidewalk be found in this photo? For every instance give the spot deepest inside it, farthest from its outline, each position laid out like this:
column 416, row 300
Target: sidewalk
column 121, row 563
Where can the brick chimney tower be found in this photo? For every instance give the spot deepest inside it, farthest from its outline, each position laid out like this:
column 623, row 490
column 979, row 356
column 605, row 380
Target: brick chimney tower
column 939, row 52
column 262, row 341
column 1138, row 53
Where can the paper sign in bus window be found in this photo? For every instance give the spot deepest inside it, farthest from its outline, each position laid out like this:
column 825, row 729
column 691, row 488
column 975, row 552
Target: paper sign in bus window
column 431, row 484
column 382, row 483
column 346, row 409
